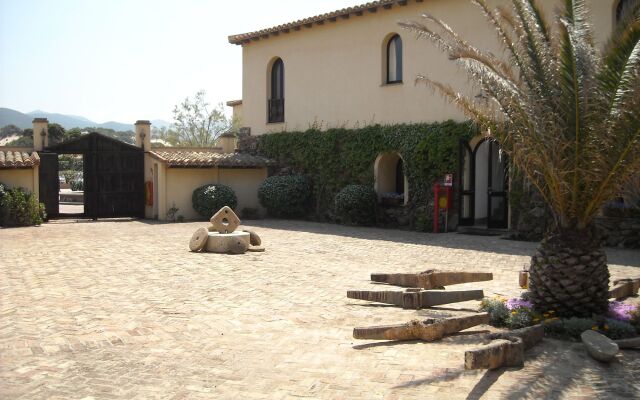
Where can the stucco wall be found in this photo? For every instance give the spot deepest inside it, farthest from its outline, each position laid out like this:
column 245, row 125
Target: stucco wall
column 245, row 182
column 21, row 177
column 179, row 184
column 334, row 72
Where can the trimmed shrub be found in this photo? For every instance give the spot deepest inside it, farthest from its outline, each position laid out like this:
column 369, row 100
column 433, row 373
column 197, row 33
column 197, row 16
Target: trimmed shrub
column 208, row 199
column 20, row 208
column 356, row 204
column 572, row 328
column 285, row 196
column 77, row 185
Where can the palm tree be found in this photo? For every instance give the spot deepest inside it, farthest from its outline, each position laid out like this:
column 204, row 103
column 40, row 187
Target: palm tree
column 568, row 116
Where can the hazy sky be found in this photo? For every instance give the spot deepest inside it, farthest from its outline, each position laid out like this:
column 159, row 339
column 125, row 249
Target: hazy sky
column 123, row 60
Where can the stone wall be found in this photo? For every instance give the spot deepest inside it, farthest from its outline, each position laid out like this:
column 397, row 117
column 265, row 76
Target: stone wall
column 619, row 232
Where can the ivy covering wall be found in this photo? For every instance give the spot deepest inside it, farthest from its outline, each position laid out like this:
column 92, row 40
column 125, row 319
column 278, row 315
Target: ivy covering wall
column 338, row 157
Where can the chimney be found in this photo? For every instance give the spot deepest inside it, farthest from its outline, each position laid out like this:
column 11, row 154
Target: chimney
column 228, row 142
column 143, row 134
column 40, row 133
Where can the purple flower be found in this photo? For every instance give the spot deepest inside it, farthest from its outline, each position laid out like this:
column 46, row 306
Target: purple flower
column 621, row 311
column 512, row 304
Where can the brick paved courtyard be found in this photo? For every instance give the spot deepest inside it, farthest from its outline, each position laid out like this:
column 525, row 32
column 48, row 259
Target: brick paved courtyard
column 122, row 309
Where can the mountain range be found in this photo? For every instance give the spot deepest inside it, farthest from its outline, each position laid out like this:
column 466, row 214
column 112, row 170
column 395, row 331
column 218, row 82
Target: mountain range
column 23, row 121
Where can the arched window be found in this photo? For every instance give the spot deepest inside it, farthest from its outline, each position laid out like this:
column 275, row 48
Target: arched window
column 622, row 10
column 394, row 59
column 276, row 96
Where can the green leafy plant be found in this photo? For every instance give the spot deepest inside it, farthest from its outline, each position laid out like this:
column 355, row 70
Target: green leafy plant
column 19, row 207
column 171, row 213
column 356, row 204
column 208, row 199
column 568, row 117
column 497, row 309
column 77, row 185
column 335, row 158
column 285, row 196
column 572, row 328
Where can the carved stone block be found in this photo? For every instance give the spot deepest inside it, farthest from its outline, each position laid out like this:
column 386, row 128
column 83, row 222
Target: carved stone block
column 225, row 220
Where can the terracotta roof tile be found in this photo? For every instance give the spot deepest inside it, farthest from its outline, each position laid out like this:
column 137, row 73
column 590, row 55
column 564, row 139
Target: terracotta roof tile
column 318, row 19
column 203, row 157
column 18, row 159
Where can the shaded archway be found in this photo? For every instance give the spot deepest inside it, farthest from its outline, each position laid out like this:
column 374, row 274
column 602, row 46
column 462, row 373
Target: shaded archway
column 391, row 183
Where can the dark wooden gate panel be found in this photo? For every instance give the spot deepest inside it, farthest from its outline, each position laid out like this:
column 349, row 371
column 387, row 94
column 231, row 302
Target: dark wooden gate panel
column 113, row 176
column 49, row 183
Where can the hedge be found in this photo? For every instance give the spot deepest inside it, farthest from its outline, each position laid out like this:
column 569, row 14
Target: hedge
column 336, row 158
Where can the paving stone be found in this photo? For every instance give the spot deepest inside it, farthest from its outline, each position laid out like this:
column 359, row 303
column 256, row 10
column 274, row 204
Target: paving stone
column 136, row 315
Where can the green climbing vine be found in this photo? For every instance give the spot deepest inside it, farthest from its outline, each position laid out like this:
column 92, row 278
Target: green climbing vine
column 336, row 158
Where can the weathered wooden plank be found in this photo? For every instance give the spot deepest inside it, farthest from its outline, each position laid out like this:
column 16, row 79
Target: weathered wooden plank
column 417, row 299
column 431, row 279
column 531, row 335
column 628, row 343
column 499, row 353
column 624, row 288
column 428, row 329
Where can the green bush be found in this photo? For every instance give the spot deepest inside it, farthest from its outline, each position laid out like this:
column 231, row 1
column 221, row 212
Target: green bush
column 572, row 328
column 77, row 185
column 285, row 196
column 338, row 157
column 498, row 311
column 208, row 199
column 356, row 204
column 20, row 208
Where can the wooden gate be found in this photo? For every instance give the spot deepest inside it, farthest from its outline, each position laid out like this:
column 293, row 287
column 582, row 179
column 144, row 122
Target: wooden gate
column 113, row 175
column 49, row 185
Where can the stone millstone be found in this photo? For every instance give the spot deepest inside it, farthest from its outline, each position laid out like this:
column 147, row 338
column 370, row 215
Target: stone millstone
column 222, row 242
column 238, row 246
column 199, row 239
column 254, row 239
column 599, row 346
column 225, row 220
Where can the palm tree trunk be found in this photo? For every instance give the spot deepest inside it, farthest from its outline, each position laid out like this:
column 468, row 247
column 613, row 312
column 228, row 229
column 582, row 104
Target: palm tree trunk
column 569, row 275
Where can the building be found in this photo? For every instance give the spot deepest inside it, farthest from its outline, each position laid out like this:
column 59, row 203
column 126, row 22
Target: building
column 123, row 180
column 357, row 66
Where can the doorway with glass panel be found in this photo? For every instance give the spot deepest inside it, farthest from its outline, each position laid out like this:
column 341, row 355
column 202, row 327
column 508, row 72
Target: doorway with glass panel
column 484, row 185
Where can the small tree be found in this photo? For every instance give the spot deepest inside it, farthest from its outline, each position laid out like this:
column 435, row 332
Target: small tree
column 568, row 115
column 196, row 124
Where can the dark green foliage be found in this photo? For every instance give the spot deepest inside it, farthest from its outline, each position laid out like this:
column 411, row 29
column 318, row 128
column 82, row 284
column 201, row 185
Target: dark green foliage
column 20, row 208
column 285, row 196
column 77, row 185
column 250, row 213
column 208, row 199
column 338, row 157
column 572, row 328
column 356, row 205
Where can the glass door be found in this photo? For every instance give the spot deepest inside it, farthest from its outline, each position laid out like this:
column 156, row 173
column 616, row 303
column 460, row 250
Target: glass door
column 467, row 184
column 498, row 205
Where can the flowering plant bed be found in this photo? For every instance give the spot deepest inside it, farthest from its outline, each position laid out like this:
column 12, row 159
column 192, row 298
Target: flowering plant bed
column 621, row 321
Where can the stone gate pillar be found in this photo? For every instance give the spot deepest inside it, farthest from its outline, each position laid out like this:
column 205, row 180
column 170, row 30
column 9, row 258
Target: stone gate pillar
column 143, row 134
column 40, row 133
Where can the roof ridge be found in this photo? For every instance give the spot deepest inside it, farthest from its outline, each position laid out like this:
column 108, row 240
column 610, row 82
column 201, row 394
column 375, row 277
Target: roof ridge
column 320, row 19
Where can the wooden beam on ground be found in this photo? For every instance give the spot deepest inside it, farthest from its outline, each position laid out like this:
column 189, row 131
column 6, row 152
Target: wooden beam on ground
column 499, row 353
column 416, row 299
column 531, row 335
column 428, row 330
column 431, row 279
column 624, row 288
column 629, row 343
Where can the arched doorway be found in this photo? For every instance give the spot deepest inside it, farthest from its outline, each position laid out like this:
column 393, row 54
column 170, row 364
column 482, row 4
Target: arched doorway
column 390, row 182
column 484, row 185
